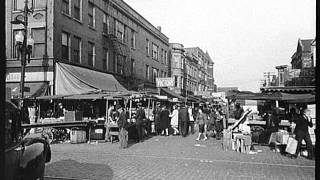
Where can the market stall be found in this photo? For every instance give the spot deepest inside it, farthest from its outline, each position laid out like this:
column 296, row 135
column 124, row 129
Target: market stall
column 281, row 134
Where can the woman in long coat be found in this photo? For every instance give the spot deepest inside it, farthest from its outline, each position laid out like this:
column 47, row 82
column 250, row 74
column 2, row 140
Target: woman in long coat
column 174, row 120
column 164, row 120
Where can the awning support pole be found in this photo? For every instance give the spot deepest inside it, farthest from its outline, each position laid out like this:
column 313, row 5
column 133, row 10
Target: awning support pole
column 228, row 114
column 148, row 108
column 107, row 108
column 130, row 108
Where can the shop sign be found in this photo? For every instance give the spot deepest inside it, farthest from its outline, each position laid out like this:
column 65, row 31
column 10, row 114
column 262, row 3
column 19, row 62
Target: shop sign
column 29, row 76
column 165, row 82
column 175, row 99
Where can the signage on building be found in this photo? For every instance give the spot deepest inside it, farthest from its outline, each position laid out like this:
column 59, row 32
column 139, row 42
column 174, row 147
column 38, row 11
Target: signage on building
column 29, row 76
column 175, row 100
column 203, row 93
column 219, row 95
column 165, row 82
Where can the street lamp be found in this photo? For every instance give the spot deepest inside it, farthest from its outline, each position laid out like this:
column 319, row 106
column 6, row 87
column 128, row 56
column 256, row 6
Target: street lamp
column 24, row 46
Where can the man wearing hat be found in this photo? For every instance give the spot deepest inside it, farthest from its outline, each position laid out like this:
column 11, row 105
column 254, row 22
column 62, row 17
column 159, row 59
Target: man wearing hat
column 238, row 112
column 184, row 120
column 156, row 113
column 140, row 116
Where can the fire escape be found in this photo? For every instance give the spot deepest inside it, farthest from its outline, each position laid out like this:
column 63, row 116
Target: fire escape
column 120, row 47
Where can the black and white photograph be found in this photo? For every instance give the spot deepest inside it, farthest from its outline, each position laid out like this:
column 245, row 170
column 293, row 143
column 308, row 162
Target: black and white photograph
column 159, row 90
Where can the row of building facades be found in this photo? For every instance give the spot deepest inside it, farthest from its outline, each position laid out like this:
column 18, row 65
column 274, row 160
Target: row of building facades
column 300, row 74
column 106, row 36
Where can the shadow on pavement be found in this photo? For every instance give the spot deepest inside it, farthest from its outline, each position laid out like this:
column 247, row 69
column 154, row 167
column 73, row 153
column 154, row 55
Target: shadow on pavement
column 73, row 169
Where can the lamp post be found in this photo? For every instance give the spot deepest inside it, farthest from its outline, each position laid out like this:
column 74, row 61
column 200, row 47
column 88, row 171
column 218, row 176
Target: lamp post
column 24, row 46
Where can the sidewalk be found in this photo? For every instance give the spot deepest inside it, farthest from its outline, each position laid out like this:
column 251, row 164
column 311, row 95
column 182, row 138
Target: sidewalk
column 172, row 157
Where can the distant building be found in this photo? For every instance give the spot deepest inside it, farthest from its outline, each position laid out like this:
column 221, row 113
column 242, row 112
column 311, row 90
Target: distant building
column 192, row 71
column 302, row 58
column 205, row 70
column 300, row 76
column 177, row 60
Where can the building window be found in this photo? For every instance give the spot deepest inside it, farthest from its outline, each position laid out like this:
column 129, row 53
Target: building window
column 19, row 4
column 162, row 55
column 119, row 30
column 154, row 74
column 66, row 6
column 132, row 67
column 91, row 15
column 154, row 51
column 105, row 60
column 65, row 41
column 120, row 64
column 39, row 4
column 175, row 81
column 76, row 49
column 15, row 52
column 105, row 23
column 147, row 72
column 166, row 57
column 147, row 47
column 133, row 39
column 77, row 9
column 91, row 54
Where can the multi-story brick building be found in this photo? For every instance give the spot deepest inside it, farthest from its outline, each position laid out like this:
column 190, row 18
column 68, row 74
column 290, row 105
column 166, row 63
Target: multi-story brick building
column 177, row 59
column 192, row 70
column 205, row 70
column 106, row 36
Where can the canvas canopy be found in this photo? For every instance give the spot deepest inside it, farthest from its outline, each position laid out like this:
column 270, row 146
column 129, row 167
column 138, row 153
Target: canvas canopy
column 78, row 80
column 290, row 98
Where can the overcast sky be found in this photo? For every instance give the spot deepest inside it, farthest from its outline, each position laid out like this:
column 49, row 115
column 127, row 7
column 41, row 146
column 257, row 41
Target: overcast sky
column 243, row 37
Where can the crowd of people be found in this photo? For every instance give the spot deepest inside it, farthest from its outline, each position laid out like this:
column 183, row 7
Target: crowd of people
column 180, row 119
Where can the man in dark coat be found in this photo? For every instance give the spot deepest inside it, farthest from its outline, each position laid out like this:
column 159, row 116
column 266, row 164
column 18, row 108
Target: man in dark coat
column 238, row 112
column 184, row 120
column 156, row 114
column 302, row 133
column 140, row 116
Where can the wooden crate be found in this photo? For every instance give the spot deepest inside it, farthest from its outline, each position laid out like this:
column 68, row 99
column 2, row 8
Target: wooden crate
column 70, row 116
column 97, row 134
column 77, row 136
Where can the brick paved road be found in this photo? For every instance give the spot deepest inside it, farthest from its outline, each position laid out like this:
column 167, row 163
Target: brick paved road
column 172, row 157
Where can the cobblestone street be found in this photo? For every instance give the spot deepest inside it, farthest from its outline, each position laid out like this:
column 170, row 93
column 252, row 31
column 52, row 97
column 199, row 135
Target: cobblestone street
column 172, row 157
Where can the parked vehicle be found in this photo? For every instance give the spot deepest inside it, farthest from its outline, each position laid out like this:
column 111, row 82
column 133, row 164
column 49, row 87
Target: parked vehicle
column 25, row 157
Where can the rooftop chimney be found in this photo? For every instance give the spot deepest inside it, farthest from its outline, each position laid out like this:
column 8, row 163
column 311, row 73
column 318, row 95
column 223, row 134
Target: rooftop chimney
column 159, row 28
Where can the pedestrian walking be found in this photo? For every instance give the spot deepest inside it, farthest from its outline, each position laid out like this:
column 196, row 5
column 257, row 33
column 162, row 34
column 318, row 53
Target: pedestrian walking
column 184, row 120
column 123, row 125
column 219, row 123
column 212, row 122
column 191, row 119
column 164, row 121
column 156, row 114
column 174, row 120
column 302, row 132
column 201, row 121
column 140, row 116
